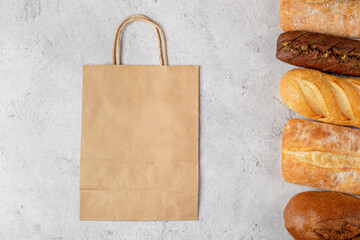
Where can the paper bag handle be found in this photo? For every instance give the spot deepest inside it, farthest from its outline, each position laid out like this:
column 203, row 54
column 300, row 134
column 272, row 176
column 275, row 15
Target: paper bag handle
column 116, row 55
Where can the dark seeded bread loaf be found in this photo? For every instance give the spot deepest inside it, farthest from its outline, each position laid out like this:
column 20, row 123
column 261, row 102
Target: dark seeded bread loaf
column 319, row 51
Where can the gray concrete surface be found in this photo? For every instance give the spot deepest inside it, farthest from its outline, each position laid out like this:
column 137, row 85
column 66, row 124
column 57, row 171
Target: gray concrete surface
column 43, row 45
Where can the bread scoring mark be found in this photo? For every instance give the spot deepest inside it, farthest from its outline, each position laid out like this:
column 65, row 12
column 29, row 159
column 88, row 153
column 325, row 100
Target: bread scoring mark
column 342, row 99
column 327, row 160
column 343, row 228
column 356, row 85
column 313, row 97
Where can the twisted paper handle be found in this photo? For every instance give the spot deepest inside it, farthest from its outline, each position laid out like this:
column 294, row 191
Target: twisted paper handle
column 116, row 54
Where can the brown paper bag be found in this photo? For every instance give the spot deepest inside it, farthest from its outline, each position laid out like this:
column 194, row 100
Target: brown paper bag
column 139, row 142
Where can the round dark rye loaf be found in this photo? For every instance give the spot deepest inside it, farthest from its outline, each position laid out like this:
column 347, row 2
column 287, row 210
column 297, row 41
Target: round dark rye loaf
column 323, row 215
column 319, row 51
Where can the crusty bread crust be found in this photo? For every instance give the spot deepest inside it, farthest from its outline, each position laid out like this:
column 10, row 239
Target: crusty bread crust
column 323, row 215
column 334, row 17
column 322, row 97
column 322, row 156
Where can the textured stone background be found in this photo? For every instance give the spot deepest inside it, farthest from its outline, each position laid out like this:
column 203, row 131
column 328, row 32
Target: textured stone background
column 43, row 45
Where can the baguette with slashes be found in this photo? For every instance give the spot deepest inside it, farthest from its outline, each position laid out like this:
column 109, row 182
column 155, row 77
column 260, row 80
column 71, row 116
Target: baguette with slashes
column 322, row 97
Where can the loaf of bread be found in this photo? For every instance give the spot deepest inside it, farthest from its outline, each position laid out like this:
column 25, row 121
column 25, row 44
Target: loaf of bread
column 334, row 17
column 323, row 215
column 322, row 97
column 321, row 155
column 319, row 51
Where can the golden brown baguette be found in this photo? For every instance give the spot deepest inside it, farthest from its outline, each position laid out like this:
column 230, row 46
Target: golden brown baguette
column 321, row 155
column 323, row 215
column 322, row 97
column 334, row 17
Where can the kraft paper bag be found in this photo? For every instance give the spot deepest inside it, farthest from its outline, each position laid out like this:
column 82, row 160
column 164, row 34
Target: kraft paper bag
column 139, row 141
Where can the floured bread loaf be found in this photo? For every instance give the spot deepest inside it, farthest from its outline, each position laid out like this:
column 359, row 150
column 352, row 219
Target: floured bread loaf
column 334, row 17
column 321, row 155
column 322, row 97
